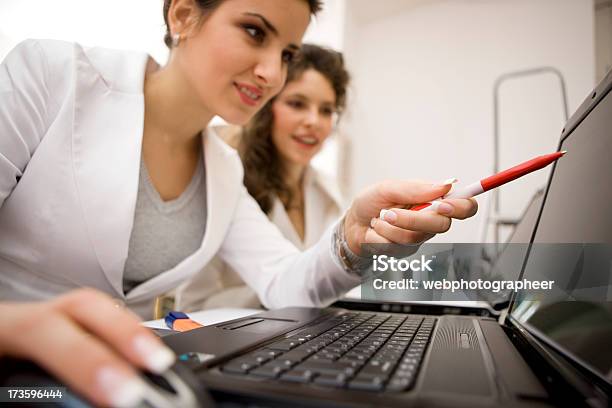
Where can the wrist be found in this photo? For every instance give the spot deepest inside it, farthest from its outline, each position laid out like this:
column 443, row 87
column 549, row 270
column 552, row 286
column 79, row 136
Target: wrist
column 351, row 261
column 350, row 237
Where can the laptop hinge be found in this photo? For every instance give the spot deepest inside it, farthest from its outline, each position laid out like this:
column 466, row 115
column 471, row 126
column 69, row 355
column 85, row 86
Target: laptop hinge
column 565, row 383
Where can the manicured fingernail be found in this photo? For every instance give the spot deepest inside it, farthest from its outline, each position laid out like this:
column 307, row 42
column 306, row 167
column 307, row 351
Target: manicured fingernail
column 447, row 182
column 388, row 216
column 122, row 390
column 373, row 222
column 445, row 209
column 157, row 357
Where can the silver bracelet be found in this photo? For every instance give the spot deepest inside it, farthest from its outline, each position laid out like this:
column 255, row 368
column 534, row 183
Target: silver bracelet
column 352, row 263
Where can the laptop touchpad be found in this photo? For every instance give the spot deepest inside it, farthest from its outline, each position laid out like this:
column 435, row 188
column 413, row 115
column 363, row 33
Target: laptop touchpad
column 258, row 325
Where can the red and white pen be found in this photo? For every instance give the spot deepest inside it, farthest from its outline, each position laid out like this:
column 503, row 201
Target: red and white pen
column 493, row 181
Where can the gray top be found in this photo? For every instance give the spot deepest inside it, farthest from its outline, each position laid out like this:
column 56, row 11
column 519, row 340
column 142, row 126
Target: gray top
column 164, row 232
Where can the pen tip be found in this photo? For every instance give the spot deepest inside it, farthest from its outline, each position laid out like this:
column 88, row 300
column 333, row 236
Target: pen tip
column 563, row 151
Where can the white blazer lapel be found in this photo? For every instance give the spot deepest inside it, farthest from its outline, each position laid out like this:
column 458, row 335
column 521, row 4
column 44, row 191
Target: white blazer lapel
column 107, row 137
column 223, row 184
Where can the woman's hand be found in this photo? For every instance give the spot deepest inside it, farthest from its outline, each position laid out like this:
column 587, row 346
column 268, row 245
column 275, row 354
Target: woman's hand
column 402, row 226
column 86, row 341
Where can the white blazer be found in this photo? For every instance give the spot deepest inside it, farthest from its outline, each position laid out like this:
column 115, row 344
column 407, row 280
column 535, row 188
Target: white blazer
column 71, row 125
column 218, row 285
column 322, row 207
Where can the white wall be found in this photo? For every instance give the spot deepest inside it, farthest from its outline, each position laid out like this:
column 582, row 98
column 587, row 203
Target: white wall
column 327, row 28
column 133, row 24
column 422, row 101
column 603, row 37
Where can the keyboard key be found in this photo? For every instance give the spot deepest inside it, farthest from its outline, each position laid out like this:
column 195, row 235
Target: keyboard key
column 327, row 368
column 299, row 339
column 284, row 345
column 296, row 355
column 398, row 384
column 331, row 380
column 260, row 358
column 351, row 362
column 366, row 384
column 377, row 370
column 407, row 367
column 333, row 350
column 405, row 374
column 268, row 371
column 323, row 359
column 353, row 355
column 309, row 348
column 283, row 362
column 410, row 360
column 300, row 376
column 269, row 354
column 237, row 367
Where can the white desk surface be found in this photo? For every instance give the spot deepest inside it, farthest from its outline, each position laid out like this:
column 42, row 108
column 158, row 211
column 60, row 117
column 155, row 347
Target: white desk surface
column 208, row 317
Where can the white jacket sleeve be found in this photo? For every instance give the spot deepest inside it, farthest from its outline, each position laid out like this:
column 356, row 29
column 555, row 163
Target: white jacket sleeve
column 25, row 109
column 280, row 274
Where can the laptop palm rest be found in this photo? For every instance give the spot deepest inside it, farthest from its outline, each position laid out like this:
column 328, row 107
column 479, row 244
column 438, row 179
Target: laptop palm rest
column 257, row 325
column 230, row 337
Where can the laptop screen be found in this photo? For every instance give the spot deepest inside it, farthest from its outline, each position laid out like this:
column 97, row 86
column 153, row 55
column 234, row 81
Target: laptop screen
column 572, row 247
column 524, row 229
column 507, row 266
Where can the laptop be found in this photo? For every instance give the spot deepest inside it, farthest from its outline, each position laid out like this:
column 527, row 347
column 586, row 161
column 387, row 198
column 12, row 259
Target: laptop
column 552, row 348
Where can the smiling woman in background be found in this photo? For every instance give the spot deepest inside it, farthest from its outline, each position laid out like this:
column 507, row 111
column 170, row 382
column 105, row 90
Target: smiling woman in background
column 277, row 147
column 109, row 181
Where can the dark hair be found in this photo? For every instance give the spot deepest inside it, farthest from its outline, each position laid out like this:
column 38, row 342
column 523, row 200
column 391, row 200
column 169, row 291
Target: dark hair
column 263, row 172
column 209, row 5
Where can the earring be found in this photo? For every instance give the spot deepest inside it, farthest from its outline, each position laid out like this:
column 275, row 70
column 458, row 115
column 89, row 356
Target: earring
column 176, row 39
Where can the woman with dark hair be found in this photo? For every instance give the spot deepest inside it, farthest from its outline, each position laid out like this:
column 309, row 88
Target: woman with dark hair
column 276, row 148
column 281, row 140
column 109, row 180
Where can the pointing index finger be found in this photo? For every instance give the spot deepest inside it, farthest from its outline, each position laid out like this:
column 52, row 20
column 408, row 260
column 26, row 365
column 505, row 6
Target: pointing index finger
column 419, row 195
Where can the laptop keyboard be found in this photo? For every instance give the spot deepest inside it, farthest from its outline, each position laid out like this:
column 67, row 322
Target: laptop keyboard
column 360, row 351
